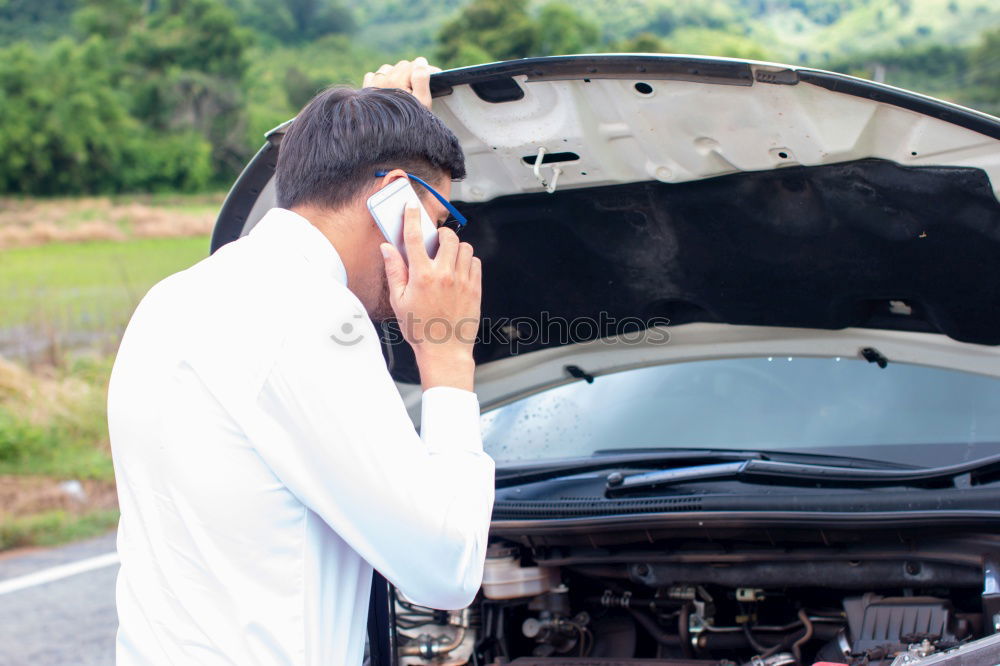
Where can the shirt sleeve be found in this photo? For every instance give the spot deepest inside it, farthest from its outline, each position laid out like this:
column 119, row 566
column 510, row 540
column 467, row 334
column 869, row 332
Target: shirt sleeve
column 335, row 431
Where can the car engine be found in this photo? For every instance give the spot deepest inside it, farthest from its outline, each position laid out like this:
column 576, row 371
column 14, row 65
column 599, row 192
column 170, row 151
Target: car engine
column 753, row 608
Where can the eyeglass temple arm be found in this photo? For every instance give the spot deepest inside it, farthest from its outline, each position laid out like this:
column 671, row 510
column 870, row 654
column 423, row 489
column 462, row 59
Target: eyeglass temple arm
column 444, row 202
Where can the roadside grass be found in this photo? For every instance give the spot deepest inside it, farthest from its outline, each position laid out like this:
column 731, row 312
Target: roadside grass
column 53, row 430
column 52, row 528
column 63, row 307
column 52, row 420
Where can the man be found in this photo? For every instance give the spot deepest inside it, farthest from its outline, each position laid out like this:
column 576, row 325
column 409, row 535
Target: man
column 265, row 461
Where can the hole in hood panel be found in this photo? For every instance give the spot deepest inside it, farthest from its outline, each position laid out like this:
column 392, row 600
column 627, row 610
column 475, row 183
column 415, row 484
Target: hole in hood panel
column 549, row 158
column 498, row 90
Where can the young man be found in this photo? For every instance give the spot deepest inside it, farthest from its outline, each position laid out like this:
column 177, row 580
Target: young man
column 265, row 461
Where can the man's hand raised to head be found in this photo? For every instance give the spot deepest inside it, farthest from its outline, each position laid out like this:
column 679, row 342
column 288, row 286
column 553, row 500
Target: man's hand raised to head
column 436, row 302
column 412, row 76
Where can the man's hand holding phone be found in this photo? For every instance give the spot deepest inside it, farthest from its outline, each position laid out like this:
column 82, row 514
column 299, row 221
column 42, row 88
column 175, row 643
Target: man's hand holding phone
column 436, row 302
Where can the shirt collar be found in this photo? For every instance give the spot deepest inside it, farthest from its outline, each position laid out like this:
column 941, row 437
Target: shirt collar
column 280, row 225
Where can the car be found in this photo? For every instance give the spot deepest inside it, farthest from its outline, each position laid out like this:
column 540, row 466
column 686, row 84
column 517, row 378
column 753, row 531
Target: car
column 739, row 366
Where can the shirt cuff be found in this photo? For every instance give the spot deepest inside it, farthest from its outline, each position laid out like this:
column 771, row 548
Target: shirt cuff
column 449, row 420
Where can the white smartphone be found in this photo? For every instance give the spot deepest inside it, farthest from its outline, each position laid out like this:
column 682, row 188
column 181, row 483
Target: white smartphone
column 387, row 205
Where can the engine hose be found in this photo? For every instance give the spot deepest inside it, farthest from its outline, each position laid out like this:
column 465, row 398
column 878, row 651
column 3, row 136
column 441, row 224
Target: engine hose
column 762, row 650
column 796, row 645
column 429, row 648
column 654, row 630
column 712, row 642
column 684, row 630
column 806, row 637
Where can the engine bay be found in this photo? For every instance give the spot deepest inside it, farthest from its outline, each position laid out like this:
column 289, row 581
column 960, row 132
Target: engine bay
column 725, row 604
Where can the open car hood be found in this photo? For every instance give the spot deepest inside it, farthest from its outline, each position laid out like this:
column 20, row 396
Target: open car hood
column 745, row 206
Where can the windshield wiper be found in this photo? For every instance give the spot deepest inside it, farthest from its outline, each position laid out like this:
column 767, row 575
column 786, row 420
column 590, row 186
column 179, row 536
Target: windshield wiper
column 791, row 473
column 530, row 472
column 658, row 458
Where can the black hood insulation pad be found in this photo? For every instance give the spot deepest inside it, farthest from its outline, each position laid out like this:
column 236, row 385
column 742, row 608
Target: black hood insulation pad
column 824, row 247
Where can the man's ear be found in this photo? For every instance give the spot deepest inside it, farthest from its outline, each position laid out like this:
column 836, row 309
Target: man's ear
column 392, row 175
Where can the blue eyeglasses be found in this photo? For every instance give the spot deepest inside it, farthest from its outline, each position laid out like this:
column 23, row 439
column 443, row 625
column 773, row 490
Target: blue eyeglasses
column 456, row 221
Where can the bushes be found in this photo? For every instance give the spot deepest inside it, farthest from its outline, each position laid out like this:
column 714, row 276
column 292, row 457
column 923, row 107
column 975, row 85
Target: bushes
column 54, row 527
column 21, row 441
column 145, row 102
column 64, row 135
column 67, row 129
column 168, row 163
column 53, row 424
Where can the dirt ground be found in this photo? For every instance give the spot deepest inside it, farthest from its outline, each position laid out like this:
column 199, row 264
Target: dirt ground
column 28, row 222
column 29, row 495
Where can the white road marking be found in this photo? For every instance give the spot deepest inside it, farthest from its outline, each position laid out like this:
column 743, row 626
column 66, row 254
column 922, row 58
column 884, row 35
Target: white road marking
column 57, row 573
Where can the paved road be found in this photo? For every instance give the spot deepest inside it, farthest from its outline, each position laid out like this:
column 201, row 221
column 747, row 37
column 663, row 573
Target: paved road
column 65, row 622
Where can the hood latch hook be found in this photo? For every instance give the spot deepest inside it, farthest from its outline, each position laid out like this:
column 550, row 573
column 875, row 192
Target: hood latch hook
column 550, row 186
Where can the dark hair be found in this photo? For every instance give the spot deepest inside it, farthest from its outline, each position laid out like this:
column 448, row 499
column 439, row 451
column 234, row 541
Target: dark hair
column 331, row 151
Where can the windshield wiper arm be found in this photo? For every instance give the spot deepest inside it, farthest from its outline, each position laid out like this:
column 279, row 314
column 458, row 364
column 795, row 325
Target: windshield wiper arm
column 774, row 471
column 659, row 458
column 541, row 471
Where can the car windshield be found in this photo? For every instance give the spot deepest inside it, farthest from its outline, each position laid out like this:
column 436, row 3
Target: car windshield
column 902, row 413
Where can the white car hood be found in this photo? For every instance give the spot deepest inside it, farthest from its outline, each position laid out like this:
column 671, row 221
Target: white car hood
column 500, row 382
column 754, row 208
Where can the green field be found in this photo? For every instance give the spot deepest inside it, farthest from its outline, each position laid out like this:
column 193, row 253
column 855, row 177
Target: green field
column 82, row 294
column 62, row 309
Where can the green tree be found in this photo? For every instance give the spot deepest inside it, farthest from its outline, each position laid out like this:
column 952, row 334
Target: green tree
column 314, row 18
column 300, row 87
column 184, row 65
column 489, row 30
column 984, row 73
column 65, row 135
column 644, row 42
column 294, row 21
column 705, row 41
column 34, row 20
column 74, row 134
column 110, row 19
column 201, row 35
column 686, row 14
column 150, row 96
column 562, row 30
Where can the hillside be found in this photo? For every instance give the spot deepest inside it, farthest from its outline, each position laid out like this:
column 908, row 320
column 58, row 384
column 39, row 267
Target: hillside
column 795, row 31
column 177, row 94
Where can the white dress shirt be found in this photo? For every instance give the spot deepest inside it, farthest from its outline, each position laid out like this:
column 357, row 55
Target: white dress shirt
column 264, row 467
